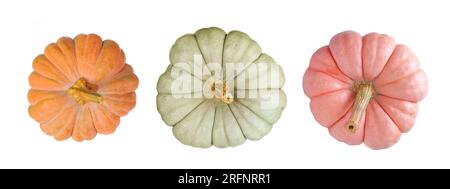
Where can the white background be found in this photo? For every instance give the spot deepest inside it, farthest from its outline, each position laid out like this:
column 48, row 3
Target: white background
column 289, row 31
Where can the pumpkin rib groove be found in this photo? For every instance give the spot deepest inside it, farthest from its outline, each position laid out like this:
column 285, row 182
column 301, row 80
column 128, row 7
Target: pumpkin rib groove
column 89, row 71
column 119, row 115
column 223, row 51
column 164, row 111
column 94, row 118
column 349, row 108
column 259, row 116
column 247, row 66
column 192, row 66
column 201, row 125
column 115, row 99
column 328, row 92
column 39, row 82
column 123, row 57
column 194, row 134
column 174, row 125
column 227, row 137
column 91, row 125
column 91, row 117
column 103, row 91
column 254, row 63
column 401, row 112
column 214, row 125
column 69, row 126
column 413, row 89
column 92, row 64
column 64, row 107
column 396, row 98
column 398, row 79
column 316, row 59
column 118, row 75
column 97, row 115
column 47, row 96
column 256, row 89
column 332, row 76
column 396, row 127
column 250, row 102
column 201, row 79
column 76, row 58
column 234, row 117
column 390, row 117
column 96, row 63
column 335, row 63
column 341, row 117
column 271, row 88
column 250, row 126
column 74, row 68
column 46, row 90
column 123, row 77
column 384, row 66
column 96, row 58
column 182, row 70
column 166, row 77
column 67, row 75
column 107, row 114
column 110, row 115
column 115, row 71
column 51, row 79
column 101, row 64
column 61, row 129
column 52, row 65
column 201, row 53
column 317, row 113
column 388, row 60
column 77, row 126
column 91, row 113
column 170, row 93
column 191, row 93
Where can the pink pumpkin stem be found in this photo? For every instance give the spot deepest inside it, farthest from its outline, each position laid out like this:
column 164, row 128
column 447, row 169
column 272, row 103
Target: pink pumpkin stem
column 364, row 93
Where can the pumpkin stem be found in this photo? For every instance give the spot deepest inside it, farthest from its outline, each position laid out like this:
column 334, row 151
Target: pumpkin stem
column 222, row 92
column 364, row 93
column 84, row 92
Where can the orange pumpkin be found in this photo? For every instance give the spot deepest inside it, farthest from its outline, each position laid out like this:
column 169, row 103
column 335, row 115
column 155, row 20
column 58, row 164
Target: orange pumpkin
column 81, row 87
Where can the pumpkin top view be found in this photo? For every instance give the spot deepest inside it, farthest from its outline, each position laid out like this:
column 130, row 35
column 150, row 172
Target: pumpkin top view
column 81, row 87
column 220, row 89
column 365, row 88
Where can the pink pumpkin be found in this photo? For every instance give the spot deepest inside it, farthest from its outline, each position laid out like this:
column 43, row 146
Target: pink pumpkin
column 365, row 88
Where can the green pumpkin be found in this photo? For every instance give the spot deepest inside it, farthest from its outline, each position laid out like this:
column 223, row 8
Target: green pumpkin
column 220, row 89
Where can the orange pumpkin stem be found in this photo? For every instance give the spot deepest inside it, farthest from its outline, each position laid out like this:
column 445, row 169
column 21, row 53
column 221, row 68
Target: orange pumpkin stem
column 222, row 92
column 84, row 92
column 364, row 93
